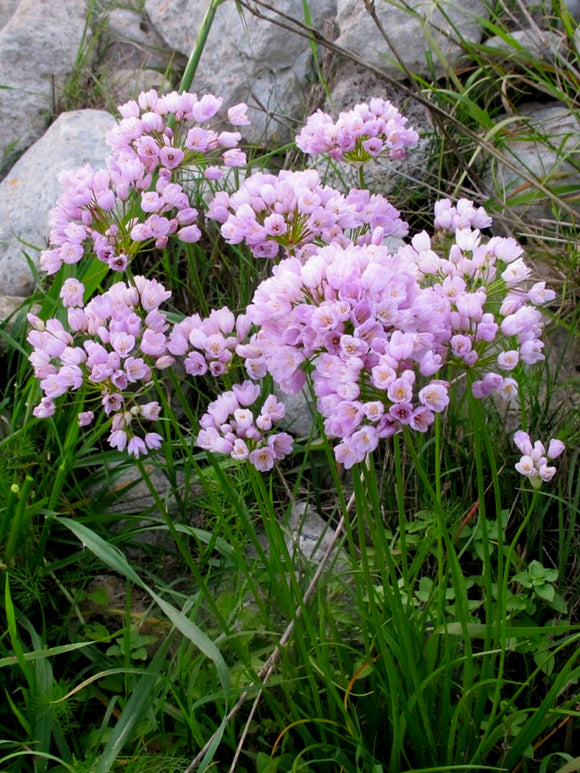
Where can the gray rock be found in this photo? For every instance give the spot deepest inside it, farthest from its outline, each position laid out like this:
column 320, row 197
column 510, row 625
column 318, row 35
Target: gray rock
column 261, row 64
column 31, row 189
column 127, row 493
column 7, row 8
column 299, row 418
column 136, row 57
column 543, row 10
column 409, row 26
column 124, row 83
column 9, row 304
column 548, row 149
column 310, row 535
column 38, row 49
column 523, row 46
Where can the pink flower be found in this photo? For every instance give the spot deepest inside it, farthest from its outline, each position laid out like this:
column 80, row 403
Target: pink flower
column 533, row 463
column 153, row 440
column 434, row 396
column 555, row 448
column 237, row 115
column 136, row 447
column 85, row 418
column 72, row 293
column 45, row 408
column 263, row 458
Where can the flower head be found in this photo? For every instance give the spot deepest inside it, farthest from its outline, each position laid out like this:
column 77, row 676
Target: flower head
column 534, row 461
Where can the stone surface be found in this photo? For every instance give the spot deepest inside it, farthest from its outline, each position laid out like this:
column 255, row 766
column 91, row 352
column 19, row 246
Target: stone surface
column 310, row 535
column 409, row 26
column 122, row 84
column 31, row 189
column 35, row 59
column 543, row 10
column 547, row 148
column 136, row 57
column 299, row 418
column 9, row 304
column 7, row 8
column 142, row 44
column 128, row 494
column 262, row 64
column 527, row 44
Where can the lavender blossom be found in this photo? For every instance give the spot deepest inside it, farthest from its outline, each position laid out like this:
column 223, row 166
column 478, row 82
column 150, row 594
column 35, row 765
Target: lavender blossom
column 365, row 132
column 159, row 149
column 237, row 425
column 112, row 347
column 534, row 461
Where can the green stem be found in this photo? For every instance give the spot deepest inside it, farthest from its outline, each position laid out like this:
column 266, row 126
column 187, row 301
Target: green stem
column 438, row 457
column 400, row 490
column 200, row 42
column 20, row 518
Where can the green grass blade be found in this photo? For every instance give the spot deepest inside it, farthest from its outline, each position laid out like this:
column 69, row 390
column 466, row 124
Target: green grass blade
column 133, row 711
column 115, row 560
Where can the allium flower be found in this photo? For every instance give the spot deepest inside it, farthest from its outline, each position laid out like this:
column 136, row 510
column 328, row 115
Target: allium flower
column 370, row 328
column 356, row 319
column 237, row 425
column 115, row 343
column 292, row 210
column 210, row 343
column 534, row 461
column 365, row 132
column 159, row 144
column 464, row 214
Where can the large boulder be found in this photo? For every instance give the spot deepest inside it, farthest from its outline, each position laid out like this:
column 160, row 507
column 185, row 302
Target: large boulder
column 247, row 59
column 425, row 34
column 543, row 144
column 39, row 45
column 135, row 58
column 31, row 189
column 7, row 8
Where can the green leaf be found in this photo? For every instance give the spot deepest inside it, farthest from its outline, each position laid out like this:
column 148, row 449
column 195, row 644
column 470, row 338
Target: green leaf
column 559, row 604
column 523, row 578
column 117, row 561
column 545, row 591
column 63, row 649
column 108, row 554
column 136, row 706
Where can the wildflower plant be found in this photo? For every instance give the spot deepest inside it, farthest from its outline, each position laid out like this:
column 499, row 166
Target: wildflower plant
column 387, row 335
column 377, row 331
column 163, row 147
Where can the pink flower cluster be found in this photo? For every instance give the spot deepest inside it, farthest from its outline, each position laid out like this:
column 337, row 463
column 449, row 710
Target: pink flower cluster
column 534, row 461
column 358, row 135
column 373, row 329
column 208, row 344
column 293, row 209
column 359, row 322
column 370, row 328
column 139, row 202
column 230, row 426
column 463, row 214
column 494, row 321
column 112, row 344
